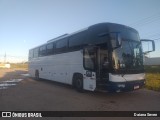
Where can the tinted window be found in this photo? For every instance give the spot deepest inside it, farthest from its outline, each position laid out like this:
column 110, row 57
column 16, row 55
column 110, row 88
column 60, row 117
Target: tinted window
column 42, row 51
column 62, row 43
column 36, row 50
column 49, row 48
column 77, row 39
column 61, row 46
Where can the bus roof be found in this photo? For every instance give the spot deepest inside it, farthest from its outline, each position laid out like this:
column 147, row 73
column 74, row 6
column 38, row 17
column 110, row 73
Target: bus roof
column 106, row 25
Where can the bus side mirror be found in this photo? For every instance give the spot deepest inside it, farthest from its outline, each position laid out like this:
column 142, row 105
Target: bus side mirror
column 150, row 44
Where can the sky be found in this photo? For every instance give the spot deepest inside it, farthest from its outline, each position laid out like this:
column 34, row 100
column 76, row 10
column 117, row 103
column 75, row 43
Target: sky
column 25, row 24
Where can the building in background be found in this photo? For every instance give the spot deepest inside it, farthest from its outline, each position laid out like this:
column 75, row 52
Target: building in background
column 5, row 65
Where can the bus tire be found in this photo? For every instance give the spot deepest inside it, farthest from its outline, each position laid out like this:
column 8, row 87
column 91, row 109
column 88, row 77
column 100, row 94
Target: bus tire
column 78, row 83
column 37, row 75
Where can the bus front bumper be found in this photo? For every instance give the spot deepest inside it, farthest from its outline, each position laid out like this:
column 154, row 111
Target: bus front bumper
column 125, row 86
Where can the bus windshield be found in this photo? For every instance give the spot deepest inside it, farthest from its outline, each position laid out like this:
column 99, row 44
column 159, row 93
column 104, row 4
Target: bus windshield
column 128, row 56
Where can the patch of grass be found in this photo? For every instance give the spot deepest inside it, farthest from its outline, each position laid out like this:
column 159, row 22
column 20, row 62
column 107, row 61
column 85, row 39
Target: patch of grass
column 152, row 69
column 153, row 77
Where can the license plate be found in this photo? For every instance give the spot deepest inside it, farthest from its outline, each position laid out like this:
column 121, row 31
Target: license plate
column 136, row 87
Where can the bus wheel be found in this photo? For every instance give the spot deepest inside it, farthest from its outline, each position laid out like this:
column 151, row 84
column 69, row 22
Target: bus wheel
column 37, row 75
column 79, row 83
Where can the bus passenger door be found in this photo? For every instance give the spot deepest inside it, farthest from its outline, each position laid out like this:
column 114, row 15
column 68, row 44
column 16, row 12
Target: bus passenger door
column 89, row 63
column 102, row 65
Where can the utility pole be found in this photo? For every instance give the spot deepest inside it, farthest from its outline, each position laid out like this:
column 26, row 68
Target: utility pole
column 5, row 58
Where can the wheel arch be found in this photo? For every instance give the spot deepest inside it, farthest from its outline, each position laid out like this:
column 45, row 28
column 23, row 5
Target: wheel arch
column 36, row 74
column 75, row 75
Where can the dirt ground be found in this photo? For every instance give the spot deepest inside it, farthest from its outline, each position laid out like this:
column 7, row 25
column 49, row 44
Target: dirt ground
column 43, row 95
column 6, row 74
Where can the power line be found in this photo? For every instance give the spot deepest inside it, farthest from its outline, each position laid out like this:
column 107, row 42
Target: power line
column 146, row 20
column 157, row 39
column 153, row 35
column 155, row 15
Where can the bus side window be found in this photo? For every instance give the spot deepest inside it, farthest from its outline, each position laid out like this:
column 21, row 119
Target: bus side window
column 77, row 40
column 42, row 50
column 50, row 49
column 35, row 52
column 61, row 46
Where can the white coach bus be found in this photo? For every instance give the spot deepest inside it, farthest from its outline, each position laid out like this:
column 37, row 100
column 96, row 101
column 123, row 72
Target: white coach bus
column 104, row 56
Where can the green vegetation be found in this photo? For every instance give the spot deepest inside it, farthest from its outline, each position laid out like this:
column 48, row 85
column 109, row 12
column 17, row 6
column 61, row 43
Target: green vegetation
column 153, row 77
